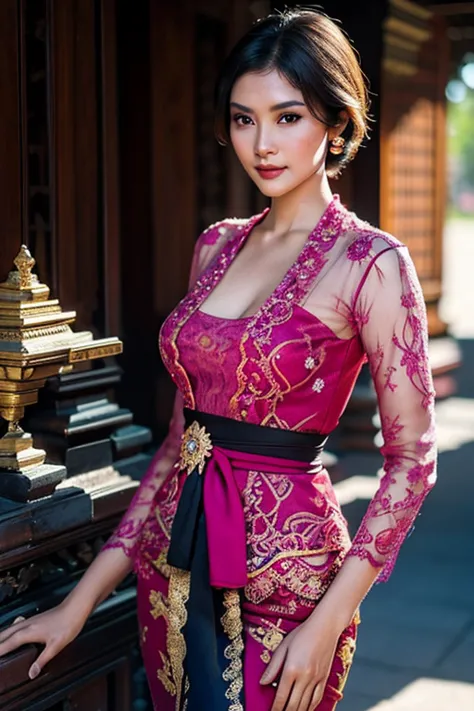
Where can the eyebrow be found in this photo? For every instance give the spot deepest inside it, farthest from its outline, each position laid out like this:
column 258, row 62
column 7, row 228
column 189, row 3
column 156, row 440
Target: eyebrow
column 276, row 107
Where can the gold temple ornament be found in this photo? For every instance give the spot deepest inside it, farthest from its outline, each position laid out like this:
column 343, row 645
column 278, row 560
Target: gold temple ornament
column 36, row 343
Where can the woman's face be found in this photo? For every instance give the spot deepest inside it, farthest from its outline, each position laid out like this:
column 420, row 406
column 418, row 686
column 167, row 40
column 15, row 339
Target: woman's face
column 278, row 141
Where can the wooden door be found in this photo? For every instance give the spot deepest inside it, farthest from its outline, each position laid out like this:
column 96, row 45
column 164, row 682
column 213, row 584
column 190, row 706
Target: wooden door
column 413, row 153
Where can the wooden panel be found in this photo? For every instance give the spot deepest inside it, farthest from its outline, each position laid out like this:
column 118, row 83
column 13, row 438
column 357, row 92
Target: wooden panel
column 10, row 154
column 173, row 159
column 211, row 179
column 88, row 291
column 74, row 143
column 62, row 146
column 139, row 322
column 173, row 151
column 89, row 697
column 413, row 155
column 111, row 209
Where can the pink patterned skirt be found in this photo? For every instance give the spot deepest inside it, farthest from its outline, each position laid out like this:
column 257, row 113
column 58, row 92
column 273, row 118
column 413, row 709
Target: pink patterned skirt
column 295, row 539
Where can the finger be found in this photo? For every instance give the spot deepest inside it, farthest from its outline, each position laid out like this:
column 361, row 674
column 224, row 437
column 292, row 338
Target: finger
column 15, row 640
column 307, row 696
column 46, row 655
column 275, row 665
column 283, row 692
column 12, row 629
column 297, row 694
column 317, row 695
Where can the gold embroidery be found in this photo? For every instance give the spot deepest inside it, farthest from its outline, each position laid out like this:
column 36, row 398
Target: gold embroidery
column 208, row 280
column 160, row 608
column 233, row 628
column 346, row 654
column 289, row 608
column 282, row 549
column 296, row 576
column 158, row 605
column 269, row 636
column 165, row 675
column 160, row 563
column 196, row 445
column 143, row 634
column 323, row 554
column 178, row 595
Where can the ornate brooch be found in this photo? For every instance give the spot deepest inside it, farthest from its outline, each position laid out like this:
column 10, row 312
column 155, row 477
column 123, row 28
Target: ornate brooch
column 196, row 445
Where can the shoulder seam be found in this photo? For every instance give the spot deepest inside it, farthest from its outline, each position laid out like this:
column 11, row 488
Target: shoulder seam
column 226, row 221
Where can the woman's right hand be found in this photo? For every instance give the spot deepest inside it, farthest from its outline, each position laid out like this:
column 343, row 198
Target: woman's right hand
column 55, row 629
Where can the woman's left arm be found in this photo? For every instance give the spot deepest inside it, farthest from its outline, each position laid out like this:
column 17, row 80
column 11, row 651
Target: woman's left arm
column 389, row 310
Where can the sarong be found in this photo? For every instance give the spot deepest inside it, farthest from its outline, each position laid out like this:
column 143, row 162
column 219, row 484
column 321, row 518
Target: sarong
column 211, row 627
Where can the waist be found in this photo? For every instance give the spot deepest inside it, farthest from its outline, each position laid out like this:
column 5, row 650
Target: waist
column 203, row 431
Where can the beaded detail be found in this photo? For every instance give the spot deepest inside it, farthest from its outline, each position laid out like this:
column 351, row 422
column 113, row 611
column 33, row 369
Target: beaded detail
column 287, row 368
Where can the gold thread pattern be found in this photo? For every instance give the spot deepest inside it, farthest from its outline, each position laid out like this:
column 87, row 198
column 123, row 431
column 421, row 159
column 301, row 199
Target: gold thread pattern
column 233, row 628
column 165, row 675
column 178, row 595
column 345, row 654
column 269, row 636
column 196, row 446
column 159, row 608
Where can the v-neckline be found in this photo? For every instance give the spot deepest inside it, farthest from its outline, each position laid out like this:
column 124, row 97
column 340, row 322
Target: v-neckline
column 249, row 227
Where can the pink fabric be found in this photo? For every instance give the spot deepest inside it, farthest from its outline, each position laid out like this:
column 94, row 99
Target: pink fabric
column 262, row 629
column 225, row 522
column 351, row 296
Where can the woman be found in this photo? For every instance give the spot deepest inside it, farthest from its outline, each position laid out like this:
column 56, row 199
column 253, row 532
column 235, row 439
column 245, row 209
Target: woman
column 248, row 584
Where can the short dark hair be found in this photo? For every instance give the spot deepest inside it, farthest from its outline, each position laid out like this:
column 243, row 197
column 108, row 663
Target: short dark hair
column 314, row 55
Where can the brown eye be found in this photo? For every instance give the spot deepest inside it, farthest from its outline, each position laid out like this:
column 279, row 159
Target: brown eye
column 289, row 118
column 242, row 120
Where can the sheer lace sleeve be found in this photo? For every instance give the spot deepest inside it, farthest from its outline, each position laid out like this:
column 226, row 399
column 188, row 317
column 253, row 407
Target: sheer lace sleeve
column 389, row 312
column 126, row 535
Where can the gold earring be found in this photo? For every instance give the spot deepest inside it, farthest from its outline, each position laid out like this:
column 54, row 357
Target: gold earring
column 337, row 146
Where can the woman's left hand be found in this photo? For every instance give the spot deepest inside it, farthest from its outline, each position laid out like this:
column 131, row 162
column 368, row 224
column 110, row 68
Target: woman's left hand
column 304, row 659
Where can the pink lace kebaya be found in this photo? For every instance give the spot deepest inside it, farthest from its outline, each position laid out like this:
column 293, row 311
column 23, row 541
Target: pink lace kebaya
column 351, row 296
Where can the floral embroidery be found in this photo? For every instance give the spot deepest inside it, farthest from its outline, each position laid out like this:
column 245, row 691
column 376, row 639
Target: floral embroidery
column 318, row 385
column 391, row 428
column 297, row 551
column 388, row 378
column 274, row 359
column 421, row 474
column 233, row 628
column 345, row 654
column 360, row 248
column 178, row 595
column 269, row 635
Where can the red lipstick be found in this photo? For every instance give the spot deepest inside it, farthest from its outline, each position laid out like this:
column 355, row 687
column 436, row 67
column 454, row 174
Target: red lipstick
column 269, row 172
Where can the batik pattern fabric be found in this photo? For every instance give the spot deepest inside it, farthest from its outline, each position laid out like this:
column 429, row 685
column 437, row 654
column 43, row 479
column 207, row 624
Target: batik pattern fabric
column 352, row 296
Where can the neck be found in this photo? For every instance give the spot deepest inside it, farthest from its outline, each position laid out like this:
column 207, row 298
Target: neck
column 301, row 208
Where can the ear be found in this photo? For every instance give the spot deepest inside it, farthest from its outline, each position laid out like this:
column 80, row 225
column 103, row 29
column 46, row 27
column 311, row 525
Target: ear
column 340, row 127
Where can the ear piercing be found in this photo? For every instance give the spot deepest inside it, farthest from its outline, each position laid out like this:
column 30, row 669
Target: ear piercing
column 337, row 146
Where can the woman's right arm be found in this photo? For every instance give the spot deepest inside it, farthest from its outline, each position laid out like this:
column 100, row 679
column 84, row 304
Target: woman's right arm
column 57, row 627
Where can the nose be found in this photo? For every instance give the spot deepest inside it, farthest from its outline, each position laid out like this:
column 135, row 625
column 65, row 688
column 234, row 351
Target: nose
column 264, row 142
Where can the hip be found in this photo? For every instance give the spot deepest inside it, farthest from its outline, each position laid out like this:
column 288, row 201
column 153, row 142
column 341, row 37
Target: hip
column 296, row 535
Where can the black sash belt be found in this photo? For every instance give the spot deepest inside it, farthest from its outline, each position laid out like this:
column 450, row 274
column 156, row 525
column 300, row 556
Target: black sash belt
column 188, row 550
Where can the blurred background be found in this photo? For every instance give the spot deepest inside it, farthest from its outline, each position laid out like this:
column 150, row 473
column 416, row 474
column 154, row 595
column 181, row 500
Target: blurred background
column 108, row 173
